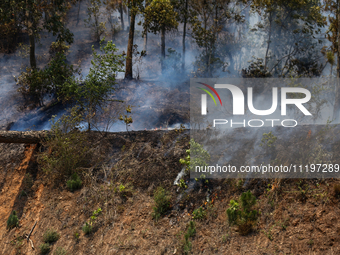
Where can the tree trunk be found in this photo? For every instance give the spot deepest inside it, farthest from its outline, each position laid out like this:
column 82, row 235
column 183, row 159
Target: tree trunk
column 128, row 70
column 129, row 14
column 184, row 34
column 121, row 15
column 163, row 47
column 78, row 12
column 145, row 41
column 33, row 62
column 29, row 137
column 336, row 111
column 268, row 43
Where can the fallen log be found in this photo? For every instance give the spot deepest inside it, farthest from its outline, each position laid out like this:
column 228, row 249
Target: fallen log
column 29, row 137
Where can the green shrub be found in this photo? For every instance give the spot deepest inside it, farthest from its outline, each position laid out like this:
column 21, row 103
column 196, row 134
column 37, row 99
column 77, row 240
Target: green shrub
column 68, row 148
column 87, row 228
column 74, row 183
column 44, row 248
column 60, row 251
column 162, row 201
column 190, row 233
column 196, row 156
column 13, row 220
column 243, row 215
column 50, row 236
column 198, row 214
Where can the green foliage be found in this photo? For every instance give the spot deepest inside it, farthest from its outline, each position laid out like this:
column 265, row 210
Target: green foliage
column 32, row 85
column 196, row 156
column 13, row 220
column 44, row 248
column 191, row 231
column 242, row 213
column 60, row 251
column 182, row 184
column 127, row 119
column 67, row 148
column 50, row 236
column 160, row 15
column 199, row 214
column 162, row 201
column 88, row 227
column 93, row 20
column 99, row 84
column 268, row 139
column 35, row 84
column 74, row 183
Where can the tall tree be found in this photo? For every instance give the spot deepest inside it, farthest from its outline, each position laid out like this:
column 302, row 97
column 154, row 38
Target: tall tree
column 135, row 6
column 333, row 35
column 160, row 17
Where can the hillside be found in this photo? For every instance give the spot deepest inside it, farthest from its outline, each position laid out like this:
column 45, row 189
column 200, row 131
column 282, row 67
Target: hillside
column 297, row 216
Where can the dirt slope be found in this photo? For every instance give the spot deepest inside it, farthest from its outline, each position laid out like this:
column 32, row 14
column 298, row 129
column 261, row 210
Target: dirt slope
column 291, row 221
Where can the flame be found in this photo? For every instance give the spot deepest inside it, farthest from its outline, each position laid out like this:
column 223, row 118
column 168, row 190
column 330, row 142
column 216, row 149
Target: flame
column 309, row 134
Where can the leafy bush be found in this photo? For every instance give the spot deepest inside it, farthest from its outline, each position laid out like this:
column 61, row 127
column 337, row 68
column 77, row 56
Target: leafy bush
column 198, row 214
column 196, row 156
column 243, row 216
column 74, row 183
column 60, row 251
column 32, row 85
column 162, row 201
column 13, row 220
column 50, row 236
column 44, row 248
column 68, row 148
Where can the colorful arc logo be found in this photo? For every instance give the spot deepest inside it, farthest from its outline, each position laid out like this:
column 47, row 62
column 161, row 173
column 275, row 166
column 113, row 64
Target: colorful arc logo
column 213, row 90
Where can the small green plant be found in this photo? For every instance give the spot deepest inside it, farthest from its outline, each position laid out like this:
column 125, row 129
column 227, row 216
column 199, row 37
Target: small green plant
column 44, row 248
column 13, row 220
column 88, row 227
column 50, row 236
column 268, row 139
column 182, row 184
column 127, row 119
column 124, row 190
column 76, row 235
column 243, row 215
column 74, row 183
column 196, row 156
column 310, row 242
column 60, row 251
column 162, row 201
column 187, row 245
column 269, row 233
column 199, row 214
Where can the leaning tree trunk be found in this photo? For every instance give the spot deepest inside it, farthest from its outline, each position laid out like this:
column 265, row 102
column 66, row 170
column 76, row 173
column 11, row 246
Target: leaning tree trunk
column 29, row 137
column 33, row 62
column 163, row 47
column 128, row 70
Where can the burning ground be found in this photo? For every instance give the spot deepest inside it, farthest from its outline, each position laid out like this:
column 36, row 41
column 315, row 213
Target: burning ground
column 297, row 216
